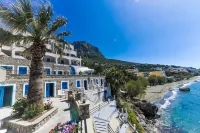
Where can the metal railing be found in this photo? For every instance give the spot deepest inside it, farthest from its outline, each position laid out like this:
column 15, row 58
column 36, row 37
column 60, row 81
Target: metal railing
column 110, row 130
column 14, row 73
column 99, row 107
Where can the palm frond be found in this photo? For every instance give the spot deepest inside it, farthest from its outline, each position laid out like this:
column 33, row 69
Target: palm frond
column 65, row 33
column 7, row 38
column 17, row 16
column 58, row 23
column 45, row 14
column 59, row 48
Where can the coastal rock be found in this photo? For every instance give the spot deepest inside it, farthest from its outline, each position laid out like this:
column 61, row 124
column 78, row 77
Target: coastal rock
column 184, row 89
column 149, row 110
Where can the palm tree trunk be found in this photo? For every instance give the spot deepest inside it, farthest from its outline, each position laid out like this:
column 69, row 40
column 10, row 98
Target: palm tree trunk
column 35, row 93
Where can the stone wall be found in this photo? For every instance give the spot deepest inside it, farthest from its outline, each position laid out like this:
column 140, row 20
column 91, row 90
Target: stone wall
column 21, row 126
column 19, row 82
column 24, row 62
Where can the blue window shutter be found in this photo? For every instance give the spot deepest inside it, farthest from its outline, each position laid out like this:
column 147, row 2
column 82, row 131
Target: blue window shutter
column 64, row 85
column 5, row 67
column 54, row 72
column 26, row 89
column 78, row 84
column 23, row 70
column 48, row 71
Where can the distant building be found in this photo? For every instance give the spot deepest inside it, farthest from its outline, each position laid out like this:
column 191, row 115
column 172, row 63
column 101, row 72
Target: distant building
column 158, row 69
column 192, row 70
column 179, row 69
column 156, row 73
column 136, row 70
column 143, row 74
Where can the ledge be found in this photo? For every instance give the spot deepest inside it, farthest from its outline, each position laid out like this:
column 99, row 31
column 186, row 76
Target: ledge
column 21, row 126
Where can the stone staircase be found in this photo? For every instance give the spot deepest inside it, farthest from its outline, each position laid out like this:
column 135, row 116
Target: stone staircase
column 100, row 125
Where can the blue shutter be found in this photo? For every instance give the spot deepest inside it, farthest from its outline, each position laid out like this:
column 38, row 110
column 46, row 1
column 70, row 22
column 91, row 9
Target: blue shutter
column 47, row 90
column 97, row 81
column 54, row 72
column 91, row 81
column 78, row 84
column 22, row 70
column 26, row 90
column 64, row 85
column 1, row 95
column 48, row 71
column 5, row 67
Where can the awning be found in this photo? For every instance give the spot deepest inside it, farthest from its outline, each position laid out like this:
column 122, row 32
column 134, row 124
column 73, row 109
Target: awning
column 78, row 69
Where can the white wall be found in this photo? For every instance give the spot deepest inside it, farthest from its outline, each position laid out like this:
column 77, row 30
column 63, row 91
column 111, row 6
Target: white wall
column 2, row 74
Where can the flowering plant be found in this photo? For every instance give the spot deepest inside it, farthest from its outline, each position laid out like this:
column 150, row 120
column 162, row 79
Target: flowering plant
column 68, row 127
column 48, row 104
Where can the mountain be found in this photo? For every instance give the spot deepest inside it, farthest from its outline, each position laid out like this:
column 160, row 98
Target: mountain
column 86, row 50
column 92, row 54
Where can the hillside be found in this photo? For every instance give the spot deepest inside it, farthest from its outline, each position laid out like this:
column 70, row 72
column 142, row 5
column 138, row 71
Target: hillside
column 92, row 54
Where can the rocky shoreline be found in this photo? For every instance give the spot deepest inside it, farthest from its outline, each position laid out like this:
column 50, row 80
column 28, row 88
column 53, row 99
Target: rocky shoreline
column 146, row 115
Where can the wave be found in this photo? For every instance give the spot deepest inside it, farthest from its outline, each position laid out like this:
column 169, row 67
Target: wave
column 166, row 100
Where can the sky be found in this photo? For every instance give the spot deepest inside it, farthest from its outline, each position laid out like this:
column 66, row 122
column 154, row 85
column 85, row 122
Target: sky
column 142, row 31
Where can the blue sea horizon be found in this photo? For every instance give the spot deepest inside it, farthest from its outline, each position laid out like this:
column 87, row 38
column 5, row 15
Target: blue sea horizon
column 180, row 111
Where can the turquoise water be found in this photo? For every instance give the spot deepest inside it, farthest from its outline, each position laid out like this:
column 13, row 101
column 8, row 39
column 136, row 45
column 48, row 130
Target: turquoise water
column 180, row 111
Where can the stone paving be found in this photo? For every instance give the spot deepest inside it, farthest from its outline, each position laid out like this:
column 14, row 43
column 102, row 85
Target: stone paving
column 62, row 115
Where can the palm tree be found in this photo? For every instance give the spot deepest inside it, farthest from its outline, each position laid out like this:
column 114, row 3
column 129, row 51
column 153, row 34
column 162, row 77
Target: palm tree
column 25, row 25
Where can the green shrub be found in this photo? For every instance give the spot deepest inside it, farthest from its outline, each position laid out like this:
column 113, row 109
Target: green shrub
column 19, row 107
column 119, row 104
column 169, row 80
column 132, row 119
column 22, row 109
column 32, row 111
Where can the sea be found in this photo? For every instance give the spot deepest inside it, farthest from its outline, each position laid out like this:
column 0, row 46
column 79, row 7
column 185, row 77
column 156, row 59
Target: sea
column 180, row 111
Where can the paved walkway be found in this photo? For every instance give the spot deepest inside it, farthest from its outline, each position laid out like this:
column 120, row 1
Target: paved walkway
column 114, row 122
column 62, row 115
column 107, row 111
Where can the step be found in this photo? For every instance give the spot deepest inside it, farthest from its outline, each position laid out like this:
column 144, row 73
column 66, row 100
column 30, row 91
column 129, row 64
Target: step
column 100, row 127
column 100, row 131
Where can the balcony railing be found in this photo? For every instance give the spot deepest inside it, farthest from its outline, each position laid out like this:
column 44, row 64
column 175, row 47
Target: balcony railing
column 10, row 75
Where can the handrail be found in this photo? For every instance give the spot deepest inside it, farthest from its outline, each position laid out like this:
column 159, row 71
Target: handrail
column 110, row 130
column 97, row 108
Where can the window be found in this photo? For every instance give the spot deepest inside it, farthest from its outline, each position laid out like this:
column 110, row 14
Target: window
column 26, row 86
column 48, row 71
column 64, row 85
column 78, row 83
column 60, row 72
column 7, row 67
column 97, row 81
column 62, row 62
column 22, row 70
column 91, row 82
column 48, row 60
column 54, row 72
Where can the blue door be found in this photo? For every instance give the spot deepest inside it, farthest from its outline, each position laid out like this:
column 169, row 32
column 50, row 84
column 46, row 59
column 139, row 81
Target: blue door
column 101, row 82
column 26, row 90
column 64, row 85
column 48, row 71
column 85, row 84
column 1, row 95
column 23, row 70
column 78, row 83
column 47, row 90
